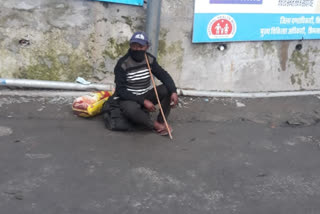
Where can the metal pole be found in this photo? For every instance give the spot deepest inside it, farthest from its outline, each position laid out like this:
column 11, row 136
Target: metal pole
column 153, row 24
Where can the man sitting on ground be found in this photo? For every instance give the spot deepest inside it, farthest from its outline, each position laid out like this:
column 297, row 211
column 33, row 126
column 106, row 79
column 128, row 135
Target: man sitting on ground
column 134, row 88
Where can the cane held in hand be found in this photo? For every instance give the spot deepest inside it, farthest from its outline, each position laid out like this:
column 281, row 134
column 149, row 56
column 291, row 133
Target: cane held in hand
column 156, row 92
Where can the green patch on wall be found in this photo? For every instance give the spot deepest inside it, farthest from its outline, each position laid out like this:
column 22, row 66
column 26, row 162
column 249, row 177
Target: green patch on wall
column 303, row 77
column 115, row 50
column 268, row 48
column 296, row 79
column 301, row 61
column 162, row 49
column 50, row 67
column 128, row 20
column 134, row 23
column 174, row 52
column 162, row 45
column 177, row 51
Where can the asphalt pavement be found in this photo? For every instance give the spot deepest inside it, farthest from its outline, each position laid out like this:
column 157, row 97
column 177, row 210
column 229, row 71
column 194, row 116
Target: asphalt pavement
column 227, row 156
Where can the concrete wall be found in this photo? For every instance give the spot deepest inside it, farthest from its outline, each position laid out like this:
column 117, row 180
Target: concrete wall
column 60, row 40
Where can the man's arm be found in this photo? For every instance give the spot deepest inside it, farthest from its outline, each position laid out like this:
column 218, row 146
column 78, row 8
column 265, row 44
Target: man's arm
column 121, row 89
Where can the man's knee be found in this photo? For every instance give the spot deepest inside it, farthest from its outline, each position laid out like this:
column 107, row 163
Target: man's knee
column 130, row 108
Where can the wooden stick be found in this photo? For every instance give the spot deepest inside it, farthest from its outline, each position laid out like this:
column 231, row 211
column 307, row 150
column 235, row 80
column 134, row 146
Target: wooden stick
column 155, row 90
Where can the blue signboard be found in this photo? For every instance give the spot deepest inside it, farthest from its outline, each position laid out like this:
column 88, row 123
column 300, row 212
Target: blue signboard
column 256, row 20
column 132, row 2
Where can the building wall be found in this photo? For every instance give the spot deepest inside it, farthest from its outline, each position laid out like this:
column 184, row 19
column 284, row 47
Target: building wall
column 61, row 40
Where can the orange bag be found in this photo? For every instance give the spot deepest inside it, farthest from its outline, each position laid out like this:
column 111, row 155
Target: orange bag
column 91, row 104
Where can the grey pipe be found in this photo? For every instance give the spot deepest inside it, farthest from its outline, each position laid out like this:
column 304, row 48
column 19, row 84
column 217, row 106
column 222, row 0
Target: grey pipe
column 195, row 93
column 41, row 84
column 24, row 83
column 153, row 24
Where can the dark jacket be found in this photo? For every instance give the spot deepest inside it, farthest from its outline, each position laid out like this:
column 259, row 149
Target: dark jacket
column 132, row 78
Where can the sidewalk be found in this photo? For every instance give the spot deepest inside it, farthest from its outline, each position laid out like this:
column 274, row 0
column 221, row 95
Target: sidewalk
column 227, row 156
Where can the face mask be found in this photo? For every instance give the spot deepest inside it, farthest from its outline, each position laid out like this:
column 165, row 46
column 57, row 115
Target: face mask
column 137, row 55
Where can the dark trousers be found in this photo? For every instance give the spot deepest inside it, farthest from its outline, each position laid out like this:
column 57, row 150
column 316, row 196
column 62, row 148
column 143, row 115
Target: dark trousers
column 136, row 112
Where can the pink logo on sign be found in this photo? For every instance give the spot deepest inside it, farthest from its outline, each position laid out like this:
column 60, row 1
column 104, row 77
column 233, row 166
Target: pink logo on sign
column 222, row 26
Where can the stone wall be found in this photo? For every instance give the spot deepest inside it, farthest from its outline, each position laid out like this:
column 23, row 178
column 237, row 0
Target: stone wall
column 61, row 40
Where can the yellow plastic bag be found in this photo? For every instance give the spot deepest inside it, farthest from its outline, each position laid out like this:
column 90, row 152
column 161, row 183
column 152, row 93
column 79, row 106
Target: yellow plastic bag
column 91, row 104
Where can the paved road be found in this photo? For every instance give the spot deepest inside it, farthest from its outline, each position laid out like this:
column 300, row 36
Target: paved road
column 228, row 156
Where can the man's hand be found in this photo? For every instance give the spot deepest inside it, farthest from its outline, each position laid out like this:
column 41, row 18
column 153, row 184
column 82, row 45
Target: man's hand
column 149, row 105
column 174, row 99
